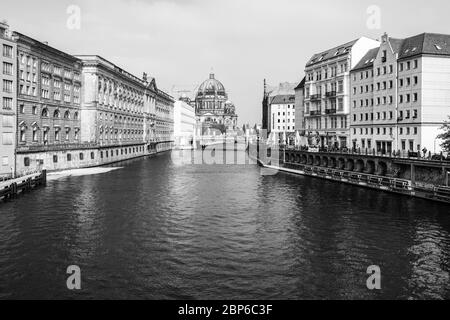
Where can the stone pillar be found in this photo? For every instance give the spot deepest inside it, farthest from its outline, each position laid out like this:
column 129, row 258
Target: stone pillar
column 413, row 175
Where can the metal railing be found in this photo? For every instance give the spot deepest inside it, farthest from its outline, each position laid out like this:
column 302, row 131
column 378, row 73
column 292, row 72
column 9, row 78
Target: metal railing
column 400, row 154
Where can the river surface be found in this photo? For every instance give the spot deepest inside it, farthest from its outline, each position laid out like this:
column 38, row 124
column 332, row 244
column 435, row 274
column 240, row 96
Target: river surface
column 155, row 229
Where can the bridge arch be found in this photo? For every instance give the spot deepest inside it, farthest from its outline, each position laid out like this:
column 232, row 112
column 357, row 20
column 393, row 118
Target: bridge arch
column 325, row 161
column 382, row 168
column 350, row 165
column 359, row 165
column 304, row 159
column 317, row 161
column 310, row 160
column 370, row 166
column 332, row 163
column 341, row 164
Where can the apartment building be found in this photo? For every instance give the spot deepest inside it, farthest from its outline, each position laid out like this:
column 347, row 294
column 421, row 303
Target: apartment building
column 327, row 91
column 408, row 98
column 282, row 111
column 48, row 106
column 8, row 100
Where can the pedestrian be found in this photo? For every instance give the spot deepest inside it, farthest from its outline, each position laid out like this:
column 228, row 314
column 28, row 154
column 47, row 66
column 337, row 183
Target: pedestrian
column 424, row 150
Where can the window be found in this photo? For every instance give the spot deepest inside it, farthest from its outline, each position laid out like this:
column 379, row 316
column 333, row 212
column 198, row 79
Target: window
column 81, row 156
column 26, row 162
column 69, row 157
column 22, row 135
column 7, row 103
column 7, row 68
column 92, row 156
column 7, row 86
column 56, row 114
column 55, row 159
column 7, row 51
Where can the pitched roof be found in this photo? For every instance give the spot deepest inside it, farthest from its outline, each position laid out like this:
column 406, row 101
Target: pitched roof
column 367, row 60
column 396, row 44
column 283, row 99
column 331, row 53
column 301, row 84
column 285, row 88
column 425, row 43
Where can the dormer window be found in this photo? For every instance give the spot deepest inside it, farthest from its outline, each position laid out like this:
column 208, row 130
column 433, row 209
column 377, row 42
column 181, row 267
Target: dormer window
column 438, row 47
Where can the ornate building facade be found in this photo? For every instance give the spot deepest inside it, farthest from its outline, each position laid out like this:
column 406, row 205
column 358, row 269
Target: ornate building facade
column 8, row 100
column 48, row 106
column 164, row 122
column 213, row 109
column 112, row 113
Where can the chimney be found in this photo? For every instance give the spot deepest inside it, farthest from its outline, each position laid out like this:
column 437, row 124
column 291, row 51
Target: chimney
column 46, row 43
column 384, row 38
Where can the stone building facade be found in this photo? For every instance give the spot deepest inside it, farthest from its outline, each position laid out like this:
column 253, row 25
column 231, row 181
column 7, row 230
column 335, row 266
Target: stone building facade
column 164, row 122
column 213, row 109
column 8, row 100
column 327, row 92
column 404, row 101
column 48, row 107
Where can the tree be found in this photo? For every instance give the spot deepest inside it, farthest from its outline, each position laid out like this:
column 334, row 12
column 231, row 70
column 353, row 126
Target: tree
column 445, row 136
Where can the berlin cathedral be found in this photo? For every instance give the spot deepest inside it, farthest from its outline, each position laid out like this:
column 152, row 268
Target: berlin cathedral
column 213, row 110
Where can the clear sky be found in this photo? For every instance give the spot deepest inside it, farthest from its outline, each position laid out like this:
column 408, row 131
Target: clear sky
column 244, row 41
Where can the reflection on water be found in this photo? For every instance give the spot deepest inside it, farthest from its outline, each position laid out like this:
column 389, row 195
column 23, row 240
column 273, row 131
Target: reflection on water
column 157, row 230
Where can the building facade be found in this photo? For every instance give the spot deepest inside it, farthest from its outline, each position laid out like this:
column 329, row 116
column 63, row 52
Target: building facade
column 270, row 92
column 164, row 122
column 405, row 100
column 112, row 111
column 300, row 107
column 48, row 106
column 150, row 94
column 184, row 125
column 327, row 92
column 213, row 109
column 8, row 100
column 282, row 115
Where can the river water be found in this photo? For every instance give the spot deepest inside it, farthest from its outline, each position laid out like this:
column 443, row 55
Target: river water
column 159, row 230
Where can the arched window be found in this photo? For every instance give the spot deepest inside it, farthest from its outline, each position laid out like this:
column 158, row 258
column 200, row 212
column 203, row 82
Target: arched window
column 45, row 113
column 56, row 114
column 75, row 116
column 67, row 115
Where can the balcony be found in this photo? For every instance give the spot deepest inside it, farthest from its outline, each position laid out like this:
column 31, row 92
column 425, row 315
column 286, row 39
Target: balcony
column 330, row 111
column 330, row 94
column 315, row 97
column 313, row 113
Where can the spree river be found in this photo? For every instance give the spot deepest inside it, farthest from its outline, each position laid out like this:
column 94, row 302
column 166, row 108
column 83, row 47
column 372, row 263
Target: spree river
column 157, row 230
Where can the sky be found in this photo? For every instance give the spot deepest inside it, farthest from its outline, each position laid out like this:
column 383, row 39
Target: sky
column 244, row 42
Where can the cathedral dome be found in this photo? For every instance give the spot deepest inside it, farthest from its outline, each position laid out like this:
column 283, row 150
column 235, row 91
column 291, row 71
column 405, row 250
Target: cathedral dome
column 211, row 87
